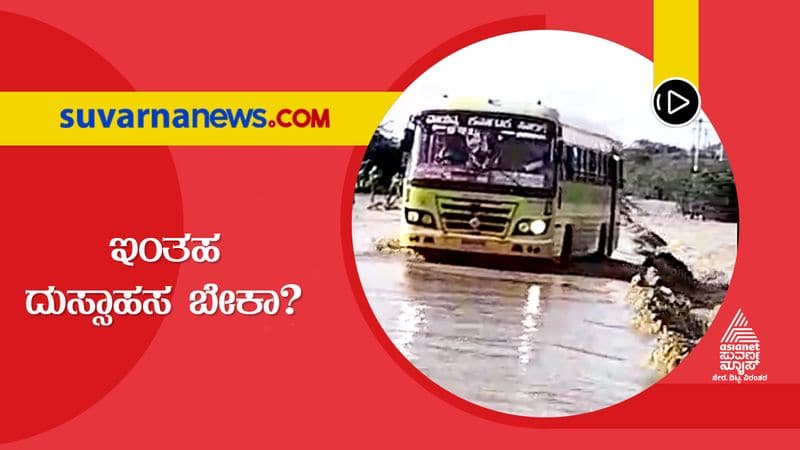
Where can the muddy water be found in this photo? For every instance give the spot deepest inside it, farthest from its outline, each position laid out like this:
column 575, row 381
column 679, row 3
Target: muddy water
column 533, row 344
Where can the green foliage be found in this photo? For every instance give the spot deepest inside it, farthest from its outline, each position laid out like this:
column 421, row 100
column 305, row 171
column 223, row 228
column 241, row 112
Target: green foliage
column 668, row 176
column 383, row 151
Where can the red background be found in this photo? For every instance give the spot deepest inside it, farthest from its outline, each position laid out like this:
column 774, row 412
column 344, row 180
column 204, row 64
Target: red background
column 328, row 374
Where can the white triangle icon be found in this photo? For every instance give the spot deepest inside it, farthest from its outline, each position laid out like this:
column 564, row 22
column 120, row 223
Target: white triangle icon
column 684, row 103
column 739, row 331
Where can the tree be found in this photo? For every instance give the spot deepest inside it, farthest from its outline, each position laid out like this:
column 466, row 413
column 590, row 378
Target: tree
column 383, row 151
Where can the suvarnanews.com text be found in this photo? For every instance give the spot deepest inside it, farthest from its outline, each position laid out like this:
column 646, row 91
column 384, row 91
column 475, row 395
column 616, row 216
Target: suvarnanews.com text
column 194, row 118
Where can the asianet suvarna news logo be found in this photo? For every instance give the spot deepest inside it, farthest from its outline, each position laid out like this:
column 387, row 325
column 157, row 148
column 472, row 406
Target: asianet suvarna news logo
column 739, row 352
column 193, row 118
column 197, row 118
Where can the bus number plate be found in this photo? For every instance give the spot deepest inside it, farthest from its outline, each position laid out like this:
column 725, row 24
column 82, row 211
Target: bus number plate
column 473, row 243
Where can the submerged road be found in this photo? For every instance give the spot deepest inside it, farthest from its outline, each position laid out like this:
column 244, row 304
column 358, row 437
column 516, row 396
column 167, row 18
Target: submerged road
column 522, row 342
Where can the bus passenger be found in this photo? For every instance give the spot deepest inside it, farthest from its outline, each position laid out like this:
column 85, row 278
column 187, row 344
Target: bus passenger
column 454, row 151
column 375, row 176
column 395, row 188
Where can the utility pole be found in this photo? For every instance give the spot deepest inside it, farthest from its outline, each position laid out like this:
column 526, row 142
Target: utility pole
column 696, row 146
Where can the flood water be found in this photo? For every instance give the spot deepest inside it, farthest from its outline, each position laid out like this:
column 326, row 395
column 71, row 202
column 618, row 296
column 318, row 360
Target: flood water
column 527, row 343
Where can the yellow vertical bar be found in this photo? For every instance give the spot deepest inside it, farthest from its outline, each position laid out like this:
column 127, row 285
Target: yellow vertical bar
column 676, row 40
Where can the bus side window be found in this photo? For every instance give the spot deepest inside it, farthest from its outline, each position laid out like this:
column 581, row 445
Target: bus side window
column 569, row 163
column 589, row 166
column 592, row 165
column 603, row 169
column 596, row 170
column 599, row 178
column 599, row 168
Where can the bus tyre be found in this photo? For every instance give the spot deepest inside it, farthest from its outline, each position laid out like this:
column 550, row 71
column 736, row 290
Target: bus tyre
column 431, row 256
column 426, row 254
column 566, row 247
column 600, row 253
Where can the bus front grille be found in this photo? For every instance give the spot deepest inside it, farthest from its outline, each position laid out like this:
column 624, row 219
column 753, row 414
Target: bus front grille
column 479, row 217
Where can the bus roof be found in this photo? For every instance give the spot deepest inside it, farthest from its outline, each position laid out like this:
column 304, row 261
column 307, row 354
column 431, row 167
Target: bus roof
column 483, row 104
column 571, row 134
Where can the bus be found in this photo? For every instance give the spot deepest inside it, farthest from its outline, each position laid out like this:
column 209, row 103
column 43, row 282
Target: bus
column 490, row 177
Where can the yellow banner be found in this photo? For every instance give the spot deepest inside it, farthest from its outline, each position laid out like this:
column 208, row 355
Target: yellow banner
column 676, row 40
column 191, row 118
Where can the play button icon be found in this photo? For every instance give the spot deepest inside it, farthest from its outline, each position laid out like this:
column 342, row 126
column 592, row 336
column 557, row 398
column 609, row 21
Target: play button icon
column 684, row 102
column 676, row 102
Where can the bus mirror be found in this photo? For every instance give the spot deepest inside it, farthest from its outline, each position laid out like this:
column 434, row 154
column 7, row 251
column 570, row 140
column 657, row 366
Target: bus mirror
column 615, row 172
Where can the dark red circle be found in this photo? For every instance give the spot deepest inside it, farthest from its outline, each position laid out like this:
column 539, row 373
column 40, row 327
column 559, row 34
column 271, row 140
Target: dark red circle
column 60, row 208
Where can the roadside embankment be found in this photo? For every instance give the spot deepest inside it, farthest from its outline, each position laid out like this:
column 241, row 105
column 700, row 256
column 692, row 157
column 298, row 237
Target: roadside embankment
column 683, row 279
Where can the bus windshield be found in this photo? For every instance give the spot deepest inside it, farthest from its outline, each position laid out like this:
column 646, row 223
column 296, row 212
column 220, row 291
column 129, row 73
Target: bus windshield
column 499, row 151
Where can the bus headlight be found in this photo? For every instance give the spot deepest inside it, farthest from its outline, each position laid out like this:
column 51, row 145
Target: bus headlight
column 421, row 218
column 535, row 226
column 538, row 226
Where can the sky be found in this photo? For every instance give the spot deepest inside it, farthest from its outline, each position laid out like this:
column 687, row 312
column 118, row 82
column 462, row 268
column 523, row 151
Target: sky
column 593, row 83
